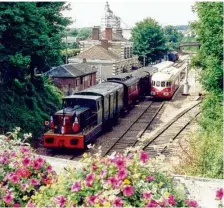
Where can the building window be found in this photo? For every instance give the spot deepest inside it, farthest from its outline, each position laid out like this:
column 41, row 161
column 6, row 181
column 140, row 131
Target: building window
column 81, row 80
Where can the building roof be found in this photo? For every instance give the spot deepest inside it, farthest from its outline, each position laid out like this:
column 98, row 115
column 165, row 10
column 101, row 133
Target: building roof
column 98, row 52
column 71, row 70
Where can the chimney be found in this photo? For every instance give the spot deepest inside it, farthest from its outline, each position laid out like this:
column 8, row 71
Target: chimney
column 108, row 33
column 119, row 32
column 95, row 33
column 104, row 43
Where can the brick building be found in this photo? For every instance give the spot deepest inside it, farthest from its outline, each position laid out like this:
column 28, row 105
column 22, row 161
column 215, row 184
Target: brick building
column 71, row 78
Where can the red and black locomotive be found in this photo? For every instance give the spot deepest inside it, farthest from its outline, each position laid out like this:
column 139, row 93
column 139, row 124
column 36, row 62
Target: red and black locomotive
column 88, row 112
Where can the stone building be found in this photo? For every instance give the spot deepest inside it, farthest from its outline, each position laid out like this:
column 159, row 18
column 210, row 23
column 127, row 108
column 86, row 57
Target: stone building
column 71, row 78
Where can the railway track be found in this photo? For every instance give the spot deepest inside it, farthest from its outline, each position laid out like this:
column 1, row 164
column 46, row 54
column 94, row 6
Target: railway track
column 130, row 136
column 160, row 142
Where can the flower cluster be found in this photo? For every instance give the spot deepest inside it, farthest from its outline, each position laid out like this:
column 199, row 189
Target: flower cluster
column 21, row 175
column 115, row 181
column 219, row 196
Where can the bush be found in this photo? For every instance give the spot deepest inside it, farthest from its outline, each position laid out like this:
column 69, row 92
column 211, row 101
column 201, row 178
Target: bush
column 203, row 156
column 27, row 104
column 119, row 180
column 22, row 173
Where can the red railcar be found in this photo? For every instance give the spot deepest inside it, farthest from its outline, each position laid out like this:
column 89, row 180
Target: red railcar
column 131, row 87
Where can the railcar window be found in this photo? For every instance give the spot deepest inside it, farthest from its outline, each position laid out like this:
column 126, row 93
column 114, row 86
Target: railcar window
column 163, row 84
column 168, row 84
column 157, row 84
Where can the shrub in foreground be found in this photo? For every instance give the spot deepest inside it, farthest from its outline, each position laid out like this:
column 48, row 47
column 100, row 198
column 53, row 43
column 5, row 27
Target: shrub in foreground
column 21, row 172
column 116, row 181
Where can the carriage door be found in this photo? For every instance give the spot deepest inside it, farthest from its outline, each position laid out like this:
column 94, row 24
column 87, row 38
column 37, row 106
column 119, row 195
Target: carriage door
column 99, row 111
column 116, row 104
column 111, row 105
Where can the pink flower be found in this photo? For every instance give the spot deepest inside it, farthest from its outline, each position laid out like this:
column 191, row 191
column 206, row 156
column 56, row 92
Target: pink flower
column 24, row 187
column 103, row 173
column 122, row 174
column 14, row 178
column 91, row 200
column 150, row 178
column 76, row 186
column 94, row 167
column 12, row 154
column 191, row 203
column 36, row 165
column 152, row 203
column 144, row 156
column 146, row 195
column 89, row 179
column 30, row 205
column 23, row 172
column 113, row 181
column 60, row 200
column 8, row 198
column 3, row 160
column 219, row 194
column 49, row 168
column 120, row 163
column 16, row 205
column 26, row 161
column 128, row 190
column 34, row 181
column 40, row 160
column 118, row 202
column 24, row 149
column 171, row 200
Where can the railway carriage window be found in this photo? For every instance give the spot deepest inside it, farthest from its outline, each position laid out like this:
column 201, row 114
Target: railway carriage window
column 163, row 84
column 157, row 84
column 168, row 84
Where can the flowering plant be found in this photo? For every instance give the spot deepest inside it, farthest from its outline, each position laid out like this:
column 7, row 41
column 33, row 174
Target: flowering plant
column 21, row 172
column 219, row 196
column 115, row 181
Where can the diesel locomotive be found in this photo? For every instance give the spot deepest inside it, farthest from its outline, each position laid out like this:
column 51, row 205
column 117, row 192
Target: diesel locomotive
column 88, row 112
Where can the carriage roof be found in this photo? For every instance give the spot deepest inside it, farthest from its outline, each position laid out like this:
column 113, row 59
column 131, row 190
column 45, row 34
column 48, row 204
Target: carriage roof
column 167, row 74
column 163, row 65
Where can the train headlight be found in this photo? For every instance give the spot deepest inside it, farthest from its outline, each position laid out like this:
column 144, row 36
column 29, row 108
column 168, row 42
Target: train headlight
column 165, row 93
column 153, row 93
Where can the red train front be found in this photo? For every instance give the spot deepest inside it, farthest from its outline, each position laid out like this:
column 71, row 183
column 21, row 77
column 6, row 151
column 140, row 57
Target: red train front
column 165, row 82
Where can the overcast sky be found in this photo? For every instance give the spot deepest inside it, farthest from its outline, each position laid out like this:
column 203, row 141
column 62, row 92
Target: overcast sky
column 89, row 13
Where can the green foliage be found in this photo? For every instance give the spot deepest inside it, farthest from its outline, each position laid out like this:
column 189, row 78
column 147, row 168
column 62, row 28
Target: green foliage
column 206, row 146
column 28, row 104
column 30, row 37
column 84, row 33
column 173, row 37
column 148, row 38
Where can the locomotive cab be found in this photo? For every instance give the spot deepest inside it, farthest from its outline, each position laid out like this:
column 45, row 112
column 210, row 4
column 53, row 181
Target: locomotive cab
column 74, row 125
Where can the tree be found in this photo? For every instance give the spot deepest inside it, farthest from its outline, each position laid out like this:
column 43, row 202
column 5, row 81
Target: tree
column 84, row 33
column 209, row 30
column 74, row 32
column 173, row 37
column 30, row 37
column 149, row 40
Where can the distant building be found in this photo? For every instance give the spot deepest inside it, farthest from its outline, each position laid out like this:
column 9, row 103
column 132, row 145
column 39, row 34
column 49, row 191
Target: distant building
column 109, row 19
column 107, row 50
column 71, row 78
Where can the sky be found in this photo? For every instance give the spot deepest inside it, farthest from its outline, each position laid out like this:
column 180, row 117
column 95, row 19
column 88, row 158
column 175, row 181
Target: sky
column 87, row 13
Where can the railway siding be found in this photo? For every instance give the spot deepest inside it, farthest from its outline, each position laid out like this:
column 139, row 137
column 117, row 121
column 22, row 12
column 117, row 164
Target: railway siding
column 166, row 135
